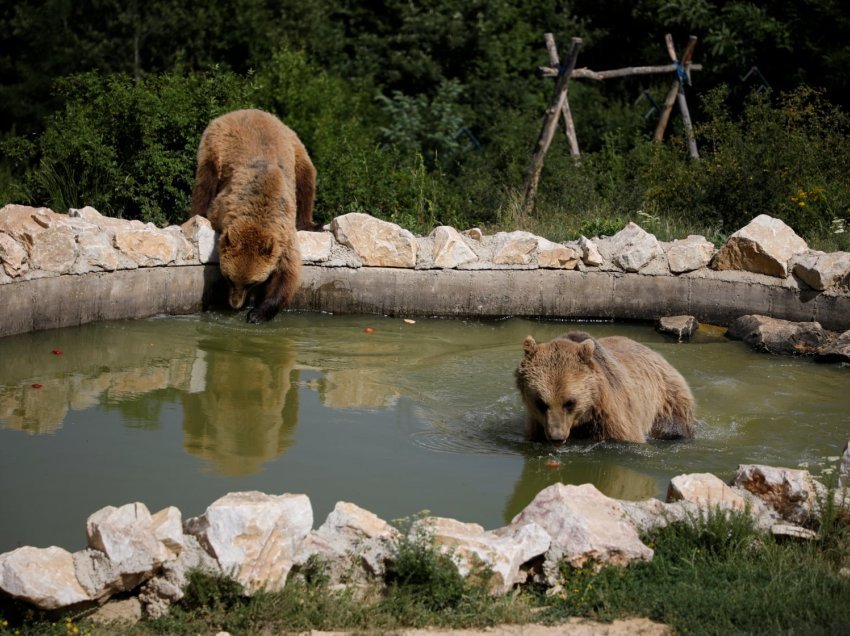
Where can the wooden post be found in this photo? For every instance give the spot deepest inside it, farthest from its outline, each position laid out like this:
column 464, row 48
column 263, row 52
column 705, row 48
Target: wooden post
column 550, row 122
column 666, row 109
column 569, row 126
column 677, row 92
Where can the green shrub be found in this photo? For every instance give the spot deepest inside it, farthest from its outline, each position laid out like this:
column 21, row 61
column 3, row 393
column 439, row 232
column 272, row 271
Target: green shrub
column 785, row 160
column 125, row 146
column 426, row 576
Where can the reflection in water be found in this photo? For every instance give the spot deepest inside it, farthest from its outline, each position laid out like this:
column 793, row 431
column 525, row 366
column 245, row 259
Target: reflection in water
column 178, row 411
column 96, row 367
column 609, row 477
column 245, row 411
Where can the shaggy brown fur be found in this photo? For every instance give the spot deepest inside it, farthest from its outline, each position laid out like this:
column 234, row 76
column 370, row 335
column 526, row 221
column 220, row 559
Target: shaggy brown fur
column 256, row 184
column 612, row 388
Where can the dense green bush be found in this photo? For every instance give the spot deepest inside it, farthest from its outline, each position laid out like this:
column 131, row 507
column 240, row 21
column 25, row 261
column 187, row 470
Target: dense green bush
column 784, row 159
column 128, row 146
column 125, row 146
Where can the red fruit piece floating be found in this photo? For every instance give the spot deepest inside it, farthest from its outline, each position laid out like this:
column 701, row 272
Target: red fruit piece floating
column 37, row 385
column 56, row 352
column 368, row 330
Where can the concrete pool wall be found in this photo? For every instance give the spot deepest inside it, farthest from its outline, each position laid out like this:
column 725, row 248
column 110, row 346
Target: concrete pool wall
column 59, row 270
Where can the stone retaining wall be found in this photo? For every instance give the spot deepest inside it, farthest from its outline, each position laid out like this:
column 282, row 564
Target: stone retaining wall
column 63, row 270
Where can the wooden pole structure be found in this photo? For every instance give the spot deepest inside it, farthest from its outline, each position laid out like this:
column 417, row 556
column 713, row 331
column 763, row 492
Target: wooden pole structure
column 677, row 92
column 550, row 122
column 569, row 126
column 586, row 73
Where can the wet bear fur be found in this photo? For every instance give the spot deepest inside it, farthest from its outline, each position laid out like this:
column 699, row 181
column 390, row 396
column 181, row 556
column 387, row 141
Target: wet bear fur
column 256, row 184
column 608, row 389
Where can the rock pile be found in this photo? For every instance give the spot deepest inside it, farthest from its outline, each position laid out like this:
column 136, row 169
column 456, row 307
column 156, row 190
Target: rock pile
column 37, row 242
column 260, row 540
column 765, row 264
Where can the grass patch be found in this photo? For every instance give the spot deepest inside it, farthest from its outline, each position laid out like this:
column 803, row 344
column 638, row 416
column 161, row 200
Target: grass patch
column 721, row 576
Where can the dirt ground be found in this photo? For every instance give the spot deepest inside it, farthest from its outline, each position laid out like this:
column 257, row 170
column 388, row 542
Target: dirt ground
column 573, row 627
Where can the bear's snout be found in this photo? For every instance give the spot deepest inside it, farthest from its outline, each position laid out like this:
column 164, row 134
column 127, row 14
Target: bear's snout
column 237, row 296
column 557, row 427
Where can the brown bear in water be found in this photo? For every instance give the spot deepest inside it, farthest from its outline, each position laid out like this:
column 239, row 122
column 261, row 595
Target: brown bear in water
column 256, row 184
column 612, row 388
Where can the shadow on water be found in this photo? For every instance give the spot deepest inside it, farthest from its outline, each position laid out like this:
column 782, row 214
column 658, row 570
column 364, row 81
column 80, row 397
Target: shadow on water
column 396, row 418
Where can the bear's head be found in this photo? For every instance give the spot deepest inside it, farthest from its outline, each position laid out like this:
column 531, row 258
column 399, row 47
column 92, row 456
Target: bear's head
column 559, row 383
column 248, row 255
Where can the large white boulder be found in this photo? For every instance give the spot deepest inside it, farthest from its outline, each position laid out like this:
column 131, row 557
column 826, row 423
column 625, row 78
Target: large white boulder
column 254, row 536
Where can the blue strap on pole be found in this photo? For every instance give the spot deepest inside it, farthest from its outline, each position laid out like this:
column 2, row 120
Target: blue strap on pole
column 681, row 73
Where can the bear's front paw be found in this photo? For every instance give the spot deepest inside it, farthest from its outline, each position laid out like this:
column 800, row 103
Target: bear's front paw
column 263, row 313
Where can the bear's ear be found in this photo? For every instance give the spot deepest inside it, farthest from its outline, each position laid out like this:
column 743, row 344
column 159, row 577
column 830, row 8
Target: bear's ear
column 529, row 346
column 224, row 242
column 586, row 349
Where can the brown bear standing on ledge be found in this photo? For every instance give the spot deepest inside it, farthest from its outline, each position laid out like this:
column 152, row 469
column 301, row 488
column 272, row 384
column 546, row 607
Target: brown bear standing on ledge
column 612, row 388
column 256, row 184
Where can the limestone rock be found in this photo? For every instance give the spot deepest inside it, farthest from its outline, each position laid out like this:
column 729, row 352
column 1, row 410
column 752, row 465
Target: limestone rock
column 820, row 270
column 794, row 494
column 764, row 246
column 585, row 526
column 780, row 337
column 254, row 536
column 200, row 232
column 146, row 246
column 88, row 214
column 22, row 222
column 705, row 490
column 125, row 612
column 555, row 256
column 836, row 350
column 789, row 531
column 686, row 255
column 632, row 248
column 126, row 535
column 96, row 253
column 590, row 255
column 126, row 547
column 315, row 247
column 473, row 550
column 13, row 256
column 514, row 248
column 377, row 243
column 351, row 536
column 53, row 250
column 43, row 577
column 844, row 468
column 450, row 250
column 109, row 225
column 185, row 248
column 167, row 526
column 683, row 327
column 650, row 514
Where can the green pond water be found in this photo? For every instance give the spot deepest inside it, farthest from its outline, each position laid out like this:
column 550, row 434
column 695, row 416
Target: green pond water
column 409, row 417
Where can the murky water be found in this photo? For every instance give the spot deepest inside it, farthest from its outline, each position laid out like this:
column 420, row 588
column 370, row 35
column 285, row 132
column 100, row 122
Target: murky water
column 179, row 411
